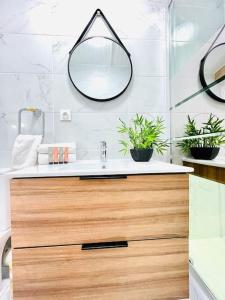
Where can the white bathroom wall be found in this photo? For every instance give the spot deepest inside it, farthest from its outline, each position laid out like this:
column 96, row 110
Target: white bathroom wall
column 205, row 17
column 35, row 38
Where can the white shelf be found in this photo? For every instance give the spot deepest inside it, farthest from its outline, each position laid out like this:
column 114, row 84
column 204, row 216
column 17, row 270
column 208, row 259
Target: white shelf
column 218, row 162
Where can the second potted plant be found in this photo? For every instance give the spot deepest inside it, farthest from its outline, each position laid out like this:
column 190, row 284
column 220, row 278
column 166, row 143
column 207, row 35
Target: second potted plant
column 144, row 138
column 206, row 148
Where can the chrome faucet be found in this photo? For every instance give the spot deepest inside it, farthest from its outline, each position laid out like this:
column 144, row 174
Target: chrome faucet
column 103, row 151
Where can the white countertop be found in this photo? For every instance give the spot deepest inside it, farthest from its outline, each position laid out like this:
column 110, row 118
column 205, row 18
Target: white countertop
column 4, row 170
column 91, row 167
column 217, row 162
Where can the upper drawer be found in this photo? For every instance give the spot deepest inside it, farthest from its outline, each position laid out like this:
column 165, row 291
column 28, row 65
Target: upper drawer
column 59, row 211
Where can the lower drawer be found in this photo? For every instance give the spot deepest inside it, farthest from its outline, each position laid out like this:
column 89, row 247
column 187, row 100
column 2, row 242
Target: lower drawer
column 145, row 270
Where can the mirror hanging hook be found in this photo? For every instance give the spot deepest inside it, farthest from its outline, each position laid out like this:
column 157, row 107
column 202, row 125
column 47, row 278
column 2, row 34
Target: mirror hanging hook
column 98, row 13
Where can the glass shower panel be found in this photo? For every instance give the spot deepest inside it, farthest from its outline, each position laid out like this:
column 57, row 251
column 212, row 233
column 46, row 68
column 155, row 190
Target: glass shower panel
column 194, row 26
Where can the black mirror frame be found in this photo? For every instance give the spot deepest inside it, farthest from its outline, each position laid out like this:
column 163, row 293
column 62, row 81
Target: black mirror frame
column 202, row 75
column 81, row 39
column 91, row 98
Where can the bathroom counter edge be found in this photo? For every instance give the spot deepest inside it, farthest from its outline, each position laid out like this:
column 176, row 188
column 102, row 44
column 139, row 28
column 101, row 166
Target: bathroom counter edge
column 220, row 163
column 94, row 168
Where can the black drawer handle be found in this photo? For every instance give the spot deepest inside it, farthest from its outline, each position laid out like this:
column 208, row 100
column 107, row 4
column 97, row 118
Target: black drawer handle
column 103, row 177
column 92, row 246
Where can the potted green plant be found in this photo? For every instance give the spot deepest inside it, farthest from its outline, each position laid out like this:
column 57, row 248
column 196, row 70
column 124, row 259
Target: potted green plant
column 206, row 148
column 144, row 137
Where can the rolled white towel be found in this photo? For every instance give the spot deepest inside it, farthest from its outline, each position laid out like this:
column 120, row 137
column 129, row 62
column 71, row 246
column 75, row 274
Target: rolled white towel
column 43, row 158
column 7, row 259
column 43, row 148
column 24, row 153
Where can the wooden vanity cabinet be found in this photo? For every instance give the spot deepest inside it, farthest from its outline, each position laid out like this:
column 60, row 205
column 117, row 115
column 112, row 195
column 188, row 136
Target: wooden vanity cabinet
column 119, row 238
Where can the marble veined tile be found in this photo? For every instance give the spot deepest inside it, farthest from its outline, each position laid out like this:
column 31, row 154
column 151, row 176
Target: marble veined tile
column 25, row 53
column 95, row 154
column 25, row 16
column 25, row 90
column 61, row 45
column 145, row 20
column 67, row 17
column 70, row 17
column 148, row 56
column 89, row 129
column 64, row 95
column 148, row 95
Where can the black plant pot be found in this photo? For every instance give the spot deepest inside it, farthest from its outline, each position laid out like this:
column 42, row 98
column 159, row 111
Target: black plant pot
column 141, row 154
column 206, row 153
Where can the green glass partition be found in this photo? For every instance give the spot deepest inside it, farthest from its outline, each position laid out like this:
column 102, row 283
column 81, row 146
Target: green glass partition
column 207, row 233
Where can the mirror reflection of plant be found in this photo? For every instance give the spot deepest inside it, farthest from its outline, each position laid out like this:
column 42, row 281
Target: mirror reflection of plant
column 143, row 134
column 212, row 125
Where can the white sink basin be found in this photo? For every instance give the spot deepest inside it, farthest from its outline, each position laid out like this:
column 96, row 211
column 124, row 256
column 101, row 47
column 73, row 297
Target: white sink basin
column 93, row 167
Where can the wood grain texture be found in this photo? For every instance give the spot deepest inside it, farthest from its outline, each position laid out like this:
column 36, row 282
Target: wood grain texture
column 219, row 73
column 209, row 172
column 146, row 270
column 59, row 211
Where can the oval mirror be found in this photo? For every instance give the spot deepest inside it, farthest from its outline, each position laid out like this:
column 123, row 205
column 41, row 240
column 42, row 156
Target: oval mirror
column 212, row 68
column 100, row 68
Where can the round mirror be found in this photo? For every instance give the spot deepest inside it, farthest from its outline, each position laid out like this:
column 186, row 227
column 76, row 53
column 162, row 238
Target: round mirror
column 100, row 68
column 212, row 68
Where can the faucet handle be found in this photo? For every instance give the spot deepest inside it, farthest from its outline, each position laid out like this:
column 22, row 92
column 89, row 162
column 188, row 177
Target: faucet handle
column 103, row 144
column 103, row 151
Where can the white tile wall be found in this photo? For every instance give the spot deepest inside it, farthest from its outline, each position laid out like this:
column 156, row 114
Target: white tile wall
column 24, row 16
column 148, row 56
column 35, row 38
column 25, row 54
column 21, row 90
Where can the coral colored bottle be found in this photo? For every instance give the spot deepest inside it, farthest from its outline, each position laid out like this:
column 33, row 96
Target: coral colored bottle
column 66, row 155
column 55, row 155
